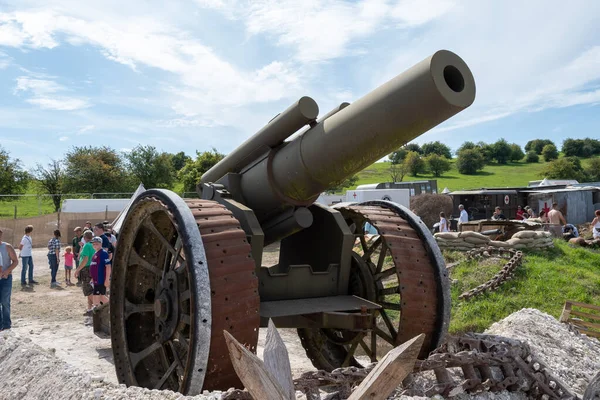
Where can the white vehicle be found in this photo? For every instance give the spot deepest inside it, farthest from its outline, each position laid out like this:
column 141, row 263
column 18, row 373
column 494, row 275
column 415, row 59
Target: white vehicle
column 400, row 196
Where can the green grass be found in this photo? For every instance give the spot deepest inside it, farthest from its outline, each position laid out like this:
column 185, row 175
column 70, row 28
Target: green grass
column 544, row 281
column 493, row 175
column 29, row 206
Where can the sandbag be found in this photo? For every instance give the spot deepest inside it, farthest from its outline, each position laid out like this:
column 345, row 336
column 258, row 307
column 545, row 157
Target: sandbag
column 524, row 240
column 525, row 234
column 497, row 243
column 476, row 240
column 471, row 234
column 446, row 235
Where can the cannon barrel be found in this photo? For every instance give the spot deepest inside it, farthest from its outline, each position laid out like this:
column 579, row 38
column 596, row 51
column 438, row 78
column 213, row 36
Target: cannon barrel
column 355, row 136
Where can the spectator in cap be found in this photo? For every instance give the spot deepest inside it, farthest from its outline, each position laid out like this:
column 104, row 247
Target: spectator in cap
column 83, row 271
column 99, row 271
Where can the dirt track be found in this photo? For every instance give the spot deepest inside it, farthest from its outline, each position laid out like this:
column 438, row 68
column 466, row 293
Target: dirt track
column 53, row 319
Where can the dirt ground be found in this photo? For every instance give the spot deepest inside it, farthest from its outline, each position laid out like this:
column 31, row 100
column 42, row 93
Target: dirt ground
column 53, row 319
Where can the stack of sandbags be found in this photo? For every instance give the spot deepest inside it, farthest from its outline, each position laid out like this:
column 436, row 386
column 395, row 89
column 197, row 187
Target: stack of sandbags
column 530, row 240
column 462, row 241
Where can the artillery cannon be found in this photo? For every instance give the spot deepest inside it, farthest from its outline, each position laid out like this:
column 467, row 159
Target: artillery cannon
column 187, row 270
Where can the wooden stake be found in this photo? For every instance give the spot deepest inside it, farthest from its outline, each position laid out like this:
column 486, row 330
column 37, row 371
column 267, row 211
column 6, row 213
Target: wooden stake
column 252, row 372
column 390, row 371
column 277, row 360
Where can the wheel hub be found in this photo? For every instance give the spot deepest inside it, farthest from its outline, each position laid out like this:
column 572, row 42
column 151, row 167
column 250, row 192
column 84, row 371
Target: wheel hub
column 166, row 307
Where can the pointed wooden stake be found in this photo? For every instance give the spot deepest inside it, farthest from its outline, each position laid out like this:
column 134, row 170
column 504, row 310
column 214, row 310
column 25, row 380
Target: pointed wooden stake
column 390, row 371
column 252, row 372
column 277, row 360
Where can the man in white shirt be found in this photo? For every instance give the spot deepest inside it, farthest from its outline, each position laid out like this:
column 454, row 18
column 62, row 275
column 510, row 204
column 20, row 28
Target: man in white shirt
column 464, row 217
column 27, row 258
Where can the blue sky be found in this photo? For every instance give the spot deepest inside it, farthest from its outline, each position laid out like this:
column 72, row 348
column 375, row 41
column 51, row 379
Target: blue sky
column 192, row 75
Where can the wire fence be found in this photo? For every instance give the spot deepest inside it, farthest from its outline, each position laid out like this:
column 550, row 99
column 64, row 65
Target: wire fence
column 31, row 205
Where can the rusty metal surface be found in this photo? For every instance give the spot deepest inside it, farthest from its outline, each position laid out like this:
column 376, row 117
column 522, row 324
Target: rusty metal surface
column 505, row 274
column 234, row 289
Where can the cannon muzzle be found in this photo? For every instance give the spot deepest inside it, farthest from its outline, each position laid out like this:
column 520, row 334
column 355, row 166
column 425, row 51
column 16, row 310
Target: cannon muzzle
column 354, row 137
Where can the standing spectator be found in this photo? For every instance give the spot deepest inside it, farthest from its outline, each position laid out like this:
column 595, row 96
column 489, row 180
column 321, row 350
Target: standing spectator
column 99, row 271
column 106, row 245
column 54, row 257
column 530, row 212
column 112, row 237
column 596, row 225
column 26, row 247
column 463, row 217
column 556, row 220
column 83, row 271
column 520, row 213
column 77, row 248
column 68, row 256
column 8, row 262
column 498, row 216
column 443, row 223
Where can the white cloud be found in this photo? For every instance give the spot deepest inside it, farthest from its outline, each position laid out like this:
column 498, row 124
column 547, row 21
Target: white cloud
column 5, row 60
column 63, row 138
column 85, row 129
column 44, row 94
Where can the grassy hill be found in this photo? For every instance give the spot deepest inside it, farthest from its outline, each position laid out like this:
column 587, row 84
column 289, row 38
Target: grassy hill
column 493, row 175
column 544, row 281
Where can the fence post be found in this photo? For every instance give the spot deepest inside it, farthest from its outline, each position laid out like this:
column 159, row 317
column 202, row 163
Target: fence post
column 106, row 214
column 58, row 223
column 15, row 212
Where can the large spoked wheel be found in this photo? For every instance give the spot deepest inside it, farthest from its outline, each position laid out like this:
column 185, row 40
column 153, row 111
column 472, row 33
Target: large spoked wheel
column 395, row 263
column 169, row 303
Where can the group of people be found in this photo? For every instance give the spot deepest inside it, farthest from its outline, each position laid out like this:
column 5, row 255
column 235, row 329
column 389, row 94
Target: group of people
column 90, row 255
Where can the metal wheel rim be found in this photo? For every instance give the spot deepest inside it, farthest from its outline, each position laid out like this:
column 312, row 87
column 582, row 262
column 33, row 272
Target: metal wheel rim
column 185, row 241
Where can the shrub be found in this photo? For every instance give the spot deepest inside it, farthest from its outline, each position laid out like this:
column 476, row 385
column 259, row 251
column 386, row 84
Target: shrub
column 532, row 157
column 428, row 207
column 550, row 152
column 414, row 163
column 470, row 161
column 437, row 164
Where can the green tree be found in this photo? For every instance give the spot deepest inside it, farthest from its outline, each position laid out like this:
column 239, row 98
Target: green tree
column 179, row 160
column 466, row 146
column 13, row 179
column 487, row 151
column 437, row 164
column 592, row 170
column 470, row 161
column 191, row 173
column 537, row 145
column 153, row 169
column 50, row 180
column 90, row 169
column 438, row 148
column 413, row 147
column 346, row 183
column 573, row 148
column 397, row 157
column 565, row 168
column 501, row 151
column 397, row 172
column 414, row 163
column 516, row 154
column 532, row 157
column 550, row 152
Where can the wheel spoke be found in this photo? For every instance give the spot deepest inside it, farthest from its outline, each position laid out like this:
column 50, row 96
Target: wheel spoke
column 184, row 296
column 177, row 256
column 371, row 249
column 184, row 342
column 134, row 258
column 389, row 290
column 148, row 224
column 180, row 367
column 384, row 274
column 132, row 308
column 139, row 356
column 390, row 306
column 351, row 351
column 381, row 260
column 185, row 318
column 388, row 323
column 166, row 375
column 384, row 336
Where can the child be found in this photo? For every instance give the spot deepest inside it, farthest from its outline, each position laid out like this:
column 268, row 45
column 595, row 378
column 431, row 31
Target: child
column 99, row 272
column 69, row 257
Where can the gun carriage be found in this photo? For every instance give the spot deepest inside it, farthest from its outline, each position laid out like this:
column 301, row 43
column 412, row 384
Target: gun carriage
column 185, row 270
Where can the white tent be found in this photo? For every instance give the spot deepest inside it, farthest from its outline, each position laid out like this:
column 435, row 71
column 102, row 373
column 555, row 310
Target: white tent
column 116, row 224
column 545, row 182
column 445, row 191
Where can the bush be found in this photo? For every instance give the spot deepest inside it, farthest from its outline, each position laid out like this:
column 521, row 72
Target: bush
column 437, row 164
column 565, row 168
column 532, row 157
column 537, row 145
column 470, row 161
column 414, row 163
column 502, row 151
column 550, row 152
column 428, row 207
column 438, row 148
column 516, row 153
column 593, row 170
